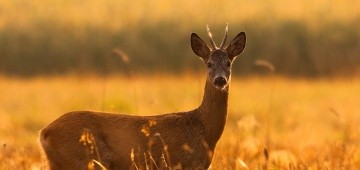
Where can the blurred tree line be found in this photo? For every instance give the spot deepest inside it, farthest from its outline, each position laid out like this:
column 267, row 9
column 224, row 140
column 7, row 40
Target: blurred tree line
column 292, row 47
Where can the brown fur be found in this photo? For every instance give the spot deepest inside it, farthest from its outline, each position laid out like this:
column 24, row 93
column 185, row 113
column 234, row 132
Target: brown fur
column 190, row 136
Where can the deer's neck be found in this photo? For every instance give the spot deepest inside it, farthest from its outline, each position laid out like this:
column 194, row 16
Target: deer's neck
column 213, row 112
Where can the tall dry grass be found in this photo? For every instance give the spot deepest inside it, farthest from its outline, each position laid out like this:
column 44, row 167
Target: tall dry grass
column 274, row 123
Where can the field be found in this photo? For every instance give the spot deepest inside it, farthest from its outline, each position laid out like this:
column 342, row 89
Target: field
column 134, row 56
column 273, row 122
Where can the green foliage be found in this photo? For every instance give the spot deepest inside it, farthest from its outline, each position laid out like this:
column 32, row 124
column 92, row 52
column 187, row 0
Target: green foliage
column 40, row 38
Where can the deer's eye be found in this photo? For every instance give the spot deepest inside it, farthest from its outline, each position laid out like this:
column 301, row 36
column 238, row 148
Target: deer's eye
column 209, row 65
column 228, row 63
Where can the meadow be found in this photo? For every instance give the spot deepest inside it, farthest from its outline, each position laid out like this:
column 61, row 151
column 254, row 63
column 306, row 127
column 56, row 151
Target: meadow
column 134, row 56
column 273, row 122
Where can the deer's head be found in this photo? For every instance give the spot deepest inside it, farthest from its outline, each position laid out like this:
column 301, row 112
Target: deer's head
column 218, row 59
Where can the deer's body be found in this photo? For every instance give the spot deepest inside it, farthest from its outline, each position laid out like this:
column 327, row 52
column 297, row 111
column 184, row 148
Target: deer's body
column 189, row 137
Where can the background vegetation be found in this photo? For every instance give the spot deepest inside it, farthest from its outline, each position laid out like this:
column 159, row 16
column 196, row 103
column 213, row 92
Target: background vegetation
column 307, row 38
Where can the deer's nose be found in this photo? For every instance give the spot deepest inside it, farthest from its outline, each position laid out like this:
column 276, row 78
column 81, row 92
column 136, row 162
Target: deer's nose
column 220, row 81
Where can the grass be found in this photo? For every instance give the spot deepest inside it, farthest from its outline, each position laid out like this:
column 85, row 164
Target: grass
column 273, row 122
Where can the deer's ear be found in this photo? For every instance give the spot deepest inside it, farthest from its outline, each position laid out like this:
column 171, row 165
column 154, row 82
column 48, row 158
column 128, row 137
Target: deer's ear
column 236, row 45
column 199, row 46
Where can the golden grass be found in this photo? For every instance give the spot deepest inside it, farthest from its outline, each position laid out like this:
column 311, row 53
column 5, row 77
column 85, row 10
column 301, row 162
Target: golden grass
column 117, row 14
column 273, row 122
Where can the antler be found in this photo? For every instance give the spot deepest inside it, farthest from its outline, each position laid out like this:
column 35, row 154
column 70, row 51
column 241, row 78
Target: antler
column 211, row 39
column 225, row 37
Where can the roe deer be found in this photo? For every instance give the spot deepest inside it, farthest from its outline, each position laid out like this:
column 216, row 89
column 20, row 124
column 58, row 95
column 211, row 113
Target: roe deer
column 189, row 137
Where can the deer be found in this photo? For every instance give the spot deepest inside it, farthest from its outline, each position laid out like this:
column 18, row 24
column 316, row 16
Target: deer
column 188, row 138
